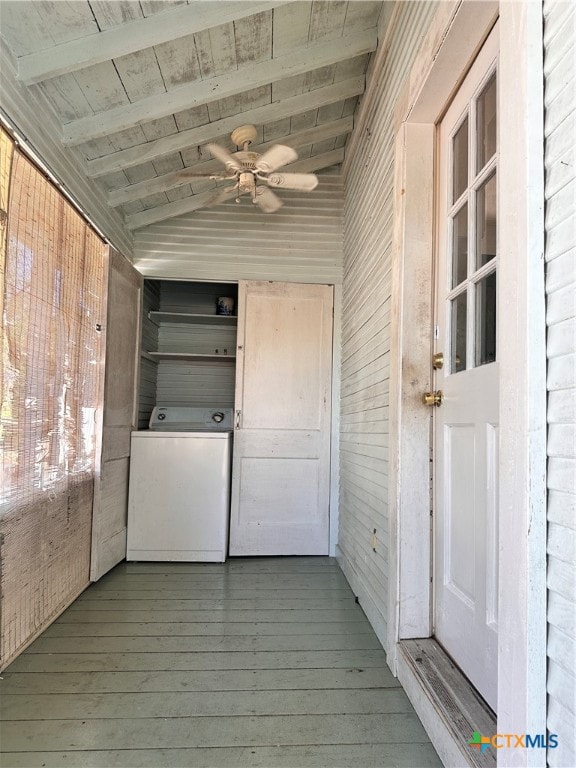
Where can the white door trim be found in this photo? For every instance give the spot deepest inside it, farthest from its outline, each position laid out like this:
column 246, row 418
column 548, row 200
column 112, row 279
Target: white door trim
column 335, row 419
column 444, row 58
column 522, row 624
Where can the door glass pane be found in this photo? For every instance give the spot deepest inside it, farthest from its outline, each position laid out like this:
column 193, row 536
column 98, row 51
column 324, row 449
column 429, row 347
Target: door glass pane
column 486, row 222
column 458, row 333
column 486, row 320
column 486, row 124
column 460, row 246
column 460, row 161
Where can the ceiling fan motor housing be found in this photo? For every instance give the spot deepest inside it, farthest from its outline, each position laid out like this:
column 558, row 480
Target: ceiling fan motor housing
column 247, row 159
column 244, row 134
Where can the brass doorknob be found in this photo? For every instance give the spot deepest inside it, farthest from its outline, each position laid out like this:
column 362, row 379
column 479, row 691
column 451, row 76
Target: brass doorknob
column 438, row 361
column 433, row 398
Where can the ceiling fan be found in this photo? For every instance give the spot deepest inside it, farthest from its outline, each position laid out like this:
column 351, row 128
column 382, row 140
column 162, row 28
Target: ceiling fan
column 253, row 173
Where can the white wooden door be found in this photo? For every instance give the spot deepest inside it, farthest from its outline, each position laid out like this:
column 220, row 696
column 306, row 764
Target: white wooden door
column 122, row 330
column 281, row 465
column 466, row 422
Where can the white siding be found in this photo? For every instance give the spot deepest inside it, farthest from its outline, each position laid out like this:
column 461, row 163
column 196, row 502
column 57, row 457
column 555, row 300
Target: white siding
column 208, row 384
column 560, row 130
column 301, row 242
column 197, row 382
column 368, row 214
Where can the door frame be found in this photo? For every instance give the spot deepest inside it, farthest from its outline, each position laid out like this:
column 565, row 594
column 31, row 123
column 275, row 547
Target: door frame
column 454, row 38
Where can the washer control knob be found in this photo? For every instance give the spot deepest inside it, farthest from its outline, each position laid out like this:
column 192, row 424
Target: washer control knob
column 218, row 417
column 161, row 416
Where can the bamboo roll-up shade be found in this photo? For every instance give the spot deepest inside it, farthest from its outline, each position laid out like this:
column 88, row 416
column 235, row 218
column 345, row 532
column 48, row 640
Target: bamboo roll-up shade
column 53, row 302
column 6, row 154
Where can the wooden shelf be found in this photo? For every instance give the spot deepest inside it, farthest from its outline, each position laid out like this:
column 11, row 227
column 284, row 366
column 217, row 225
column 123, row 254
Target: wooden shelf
column 189, row 356
column 185, row 317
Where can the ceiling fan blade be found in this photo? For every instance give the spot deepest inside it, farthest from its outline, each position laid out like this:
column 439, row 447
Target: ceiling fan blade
column 267, row 200
column 304, row 181
column 220, row 196
column 224, row 156
column 275, row 157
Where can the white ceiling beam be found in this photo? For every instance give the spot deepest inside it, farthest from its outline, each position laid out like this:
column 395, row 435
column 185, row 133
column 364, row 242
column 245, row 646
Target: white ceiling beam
column 297, row 62
column 152, row 150
column 132, row 36
column 177, row 179
column 193, row 203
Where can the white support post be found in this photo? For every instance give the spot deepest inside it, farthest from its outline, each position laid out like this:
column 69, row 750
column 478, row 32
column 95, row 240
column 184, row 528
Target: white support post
column 522, row 565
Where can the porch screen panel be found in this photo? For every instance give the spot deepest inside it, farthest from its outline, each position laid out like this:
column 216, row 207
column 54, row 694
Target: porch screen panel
column 53, row 299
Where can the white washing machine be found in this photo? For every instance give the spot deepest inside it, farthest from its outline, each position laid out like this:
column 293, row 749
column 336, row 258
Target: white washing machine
column 179, row 492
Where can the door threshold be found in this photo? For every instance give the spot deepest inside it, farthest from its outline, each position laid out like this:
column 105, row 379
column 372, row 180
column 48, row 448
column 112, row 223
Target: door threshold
column 449, row 707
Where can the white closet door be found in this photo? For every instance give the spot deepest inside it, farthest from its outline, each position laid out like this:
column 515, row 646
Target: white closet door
column 121, row 369
column 281, row 466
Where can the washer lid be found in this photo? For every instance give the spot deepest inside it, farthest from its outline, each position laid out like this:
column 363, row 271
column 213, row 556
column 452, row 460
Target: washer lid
column 185, row 418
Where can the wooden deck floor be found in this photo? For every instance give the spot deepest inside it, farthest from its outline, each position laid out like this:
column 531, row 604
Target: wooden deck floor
column 257, row 662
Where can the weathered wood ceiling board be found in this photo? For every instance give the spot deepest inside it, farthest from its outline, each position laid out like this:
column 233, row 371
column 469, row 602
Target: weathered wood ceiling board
column 141, row 86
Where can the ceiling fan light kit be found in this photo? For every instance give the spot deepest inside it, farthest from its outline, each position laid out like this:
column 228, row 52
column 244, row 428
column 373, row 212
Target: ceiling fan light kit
column 250, row 171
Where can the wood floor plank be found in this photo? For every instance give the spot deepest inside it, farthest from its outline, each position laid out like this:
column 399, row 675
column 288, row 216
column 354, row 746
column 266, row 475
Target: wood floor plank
column 202, row 704
column 226, row 644
column 207, row 629
column 214, row 680
column 332, row 580
column 158, row 733
column 239, row 565
column 222, row 604
column 102, row 662
column 352, row 614
column 278, row 564
column 93, row 595
column 317, row 756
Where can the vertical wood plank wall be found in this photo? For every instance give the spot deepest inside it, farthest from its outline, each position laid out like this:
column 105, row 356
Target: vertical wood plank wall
column 368, row 214
column 302, row 242
column 560, row 129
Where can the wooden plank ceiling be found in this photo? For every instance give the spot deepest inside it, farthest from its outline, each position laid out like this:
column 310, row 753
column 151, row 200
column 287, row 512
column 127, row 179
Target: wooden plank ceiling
column 140, row 86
